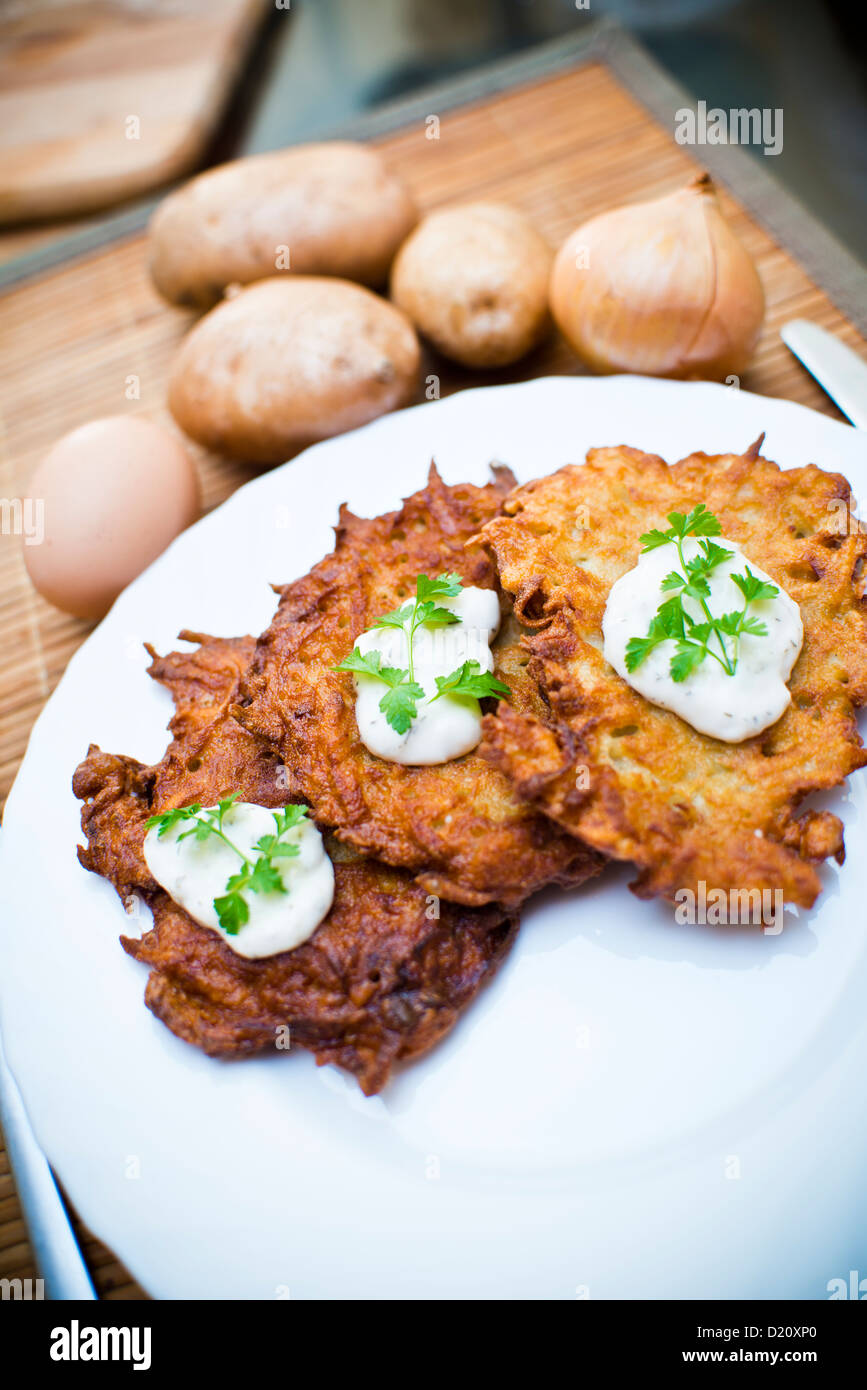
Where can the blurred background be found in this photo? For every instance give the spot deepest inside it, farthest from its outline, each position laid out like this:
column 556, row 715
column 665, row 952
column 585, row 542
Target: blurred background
column 225, row 77
column 806, row 56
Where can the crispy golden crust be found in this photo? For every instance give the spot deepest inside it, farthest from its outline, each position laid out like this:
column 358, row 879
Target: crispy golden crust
column 459, row 826
column 633, row 780
column 379, row 980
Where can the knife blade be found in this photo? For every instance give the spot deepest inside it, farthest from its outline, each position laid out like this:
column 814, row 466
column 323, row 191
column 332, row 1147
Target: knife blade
column 58, row 1255
column 838, row 370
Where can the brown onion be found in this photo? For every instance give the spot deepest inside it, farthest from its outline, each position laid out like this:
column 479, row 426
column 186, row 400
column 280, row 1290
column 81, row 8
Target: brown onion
column 664, row 288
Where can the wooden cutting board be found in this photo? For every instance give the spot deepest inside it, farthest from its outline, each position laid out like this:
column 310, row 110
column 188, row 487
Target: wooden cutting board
column 563, row 136
column 103, row 101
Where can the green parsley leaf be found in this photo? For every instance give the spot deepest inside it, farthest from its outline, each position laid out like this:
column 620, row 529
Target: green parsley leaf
column 687, row 656
column 711, row 555
column 266, row 878
column 398, row 617
column 259, row 875
column 698, row 587
column 289, row 817
column 238, row 881
column 638, row 648
column 364, row 663
column 283, row 851
column 444, row 586
column 200, row 831
column 232, row 912
column 696, row 640
column 169, row 819
column 393, row 676
column 753, row 588
column 429, row 615
column 399, row 704
column 754, row 626
column 370, row 664
column 471, row 681
column 698, row 522
column 673, row 618
column 652, row 540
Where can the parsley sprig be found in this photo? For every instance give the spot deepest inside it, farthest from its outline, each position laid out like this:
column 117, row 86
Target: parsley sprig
column 399, row 704
column 470, row 680
column 717, row 636
column 259, row 875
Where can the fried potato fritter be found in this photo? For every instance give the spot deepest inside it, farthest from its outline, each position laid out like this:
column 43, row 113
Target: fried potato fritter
column 382, row 978
column 631, row 779
column 458, row 826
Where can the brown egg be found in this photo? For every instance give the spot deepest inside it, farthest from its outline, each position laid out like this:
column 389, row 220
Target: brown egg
column 112, row 495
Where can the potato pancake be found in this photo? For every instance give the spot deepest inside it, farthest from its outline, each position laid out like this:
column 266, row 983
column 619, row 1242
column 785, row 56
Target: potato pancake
column 383, row 976
column 458, row 826
column 629, row 778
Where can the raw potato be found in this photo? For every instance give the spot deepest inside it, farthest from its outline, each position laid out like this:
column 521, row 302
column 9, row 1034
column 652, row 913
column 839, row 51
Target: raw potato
column 474, row 280
column 290, row 361
column 330, row 209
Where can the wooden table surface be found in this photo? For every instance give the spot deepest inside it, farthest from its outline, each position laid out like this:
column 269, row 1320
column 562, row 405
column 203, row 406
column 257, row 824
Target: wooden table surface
column 561, row 146
column 140, row 88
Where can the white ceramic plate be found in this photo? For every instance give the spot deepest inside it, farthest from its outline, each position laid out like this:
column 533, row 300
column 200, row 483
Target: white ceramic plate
column 633, row 1109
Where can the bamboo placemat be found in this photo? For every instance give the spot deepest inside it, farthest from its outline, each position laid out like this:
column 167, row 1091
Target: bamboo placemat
column 562, row 146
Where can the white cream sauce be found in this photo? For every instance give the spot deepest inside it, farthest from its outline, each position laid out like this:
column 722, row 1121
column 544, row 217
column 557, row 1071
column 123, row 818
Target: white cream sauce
column 452, row 725
column 727, row 707
column 195, row 872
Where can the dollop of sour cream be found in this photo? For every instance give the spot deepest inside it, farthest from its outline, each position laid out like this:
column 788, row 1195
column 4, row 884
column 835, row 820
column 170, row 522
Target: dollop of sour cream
column 451, row 725
column 727, row 707
column 195, row 872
